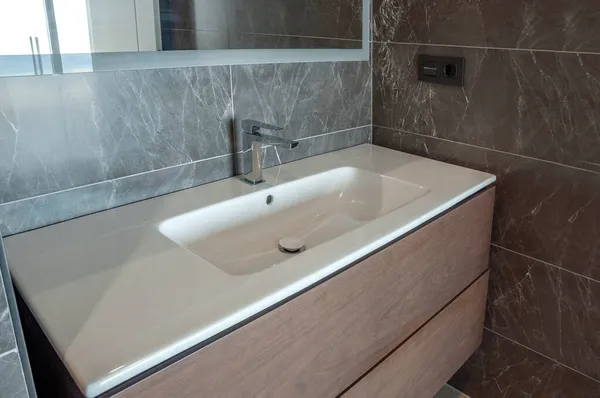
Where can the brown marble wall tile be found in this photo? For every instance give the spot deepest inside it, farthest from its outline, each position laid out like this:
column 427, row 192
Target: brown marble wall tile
column 538, row 104
column 553, row 311
column 538, row 24
column 547, row 211
column 532, row 119
column 502, row 369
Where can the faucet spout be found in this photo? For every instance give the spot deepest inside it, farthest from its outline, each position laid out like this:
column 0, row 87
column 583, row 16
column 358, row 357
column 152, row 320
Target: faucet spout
column 252, row 131
column 275, row 141
column 254, row 126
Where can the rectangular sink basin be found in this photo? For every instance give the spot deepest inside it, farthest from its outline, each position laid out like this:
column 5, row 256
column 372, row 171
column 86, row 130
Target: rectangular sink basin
column 241, row 236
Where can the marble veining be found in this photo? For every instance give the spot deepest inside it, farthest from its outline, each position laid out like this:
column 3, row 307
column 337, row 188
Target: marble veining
column 306, row 98
column 60, row 132
column 528, row 113
column 501, row 369
column 312, row 146
column 543, row 210
column 261, row 40
column 63, row 205
column 545, row 104
column 12, row 382
column 553, row 311
column 559, row 25
column 12, row 379
column 7, row 335
column 36, row 212
column 340, row 19
column 78, row 144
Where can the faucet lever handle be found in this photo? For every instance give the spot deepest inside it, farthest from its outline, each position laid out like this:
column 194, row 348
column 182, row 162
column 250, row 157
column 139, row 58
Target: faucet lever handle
column 253, row 126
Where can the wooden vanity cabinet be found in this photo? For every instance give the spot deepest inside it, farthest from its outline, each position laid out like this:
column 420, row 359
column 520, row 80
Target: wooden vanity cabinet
column 397, row 324
column 421, row 366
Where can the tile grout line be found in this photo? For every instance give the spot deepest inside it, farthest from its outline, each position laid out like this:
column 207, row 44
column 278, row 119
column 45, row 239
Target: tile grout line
column 116, row 179
column 333, row 132
column 310, row 137
column 13, row 351
column 232, row 97
column 372, row 59
column 574, row 52
column 543, row 355
column 371, row 78
column 547, row 263
column 161, row 169
column 490, row 149
column 283, row 35
column 299, row 36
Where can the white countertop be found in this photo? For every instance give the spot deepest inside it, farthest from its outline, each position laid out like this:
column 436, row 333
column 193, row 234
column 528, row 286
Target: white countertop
column 116, row 297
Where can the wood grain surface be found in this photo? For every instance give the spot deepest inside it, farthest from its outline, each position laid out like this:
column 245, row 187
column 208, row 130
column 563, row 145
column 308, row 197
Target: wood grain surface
column 424, row 363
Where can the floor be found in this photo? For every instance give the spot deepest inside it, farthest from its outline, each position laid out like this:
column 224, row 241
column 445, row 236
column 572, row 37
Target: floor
column 450, row 392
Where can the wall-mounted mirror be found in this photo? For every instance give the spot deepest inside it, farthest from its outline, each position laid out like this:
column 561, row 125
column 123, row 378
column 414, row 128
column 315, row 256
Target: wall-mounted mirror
column 40, row 37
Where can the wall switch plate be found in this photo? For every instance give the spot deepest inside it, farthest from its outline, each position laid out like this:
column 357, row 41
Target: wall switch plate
column 442, row 70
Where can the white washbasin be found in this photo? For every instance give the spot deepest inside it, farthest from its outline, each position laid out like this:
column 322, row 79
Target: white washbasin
column 120, row 292
column 240, row 236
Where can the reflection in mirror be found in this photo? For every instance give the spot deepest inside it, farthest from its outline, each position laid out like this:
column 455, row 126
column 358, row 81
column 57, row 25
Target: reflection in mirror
column 64, row 36
column 248, row 24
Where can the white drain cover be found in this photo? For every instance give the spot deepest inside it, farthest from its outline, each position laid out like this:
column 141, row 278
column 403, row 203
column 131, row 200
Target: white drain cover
column 291, row 244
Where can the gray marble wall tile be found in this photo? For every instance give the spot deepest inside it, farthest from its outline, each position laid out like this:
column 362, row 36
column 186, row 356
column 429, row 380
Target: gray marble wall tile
column 60, row 132
column 555, row 312
column 12, row 378
column 36, row 212
column 538, row 104
column 12, row 382
column 7, row 334
column 312, row 146
column 539, row 24
column 306, row 98
column 97, row 136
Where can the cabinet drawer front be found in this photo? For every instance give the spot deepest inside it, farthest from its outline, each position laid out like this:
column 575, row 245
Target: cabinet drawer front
column 420, row 367
column 322, row 341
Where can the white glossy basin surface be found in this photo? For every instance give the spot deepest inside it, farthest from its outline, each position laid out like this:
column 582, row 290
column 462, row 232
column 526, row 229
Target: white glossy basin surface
column 241, row 235
column 121, row 291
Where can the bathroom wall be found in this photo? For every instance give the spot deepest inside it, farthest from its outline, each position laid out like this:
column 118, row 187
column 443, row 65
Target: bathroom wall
column 78, row 144
column 529, row 113
column 15, row 374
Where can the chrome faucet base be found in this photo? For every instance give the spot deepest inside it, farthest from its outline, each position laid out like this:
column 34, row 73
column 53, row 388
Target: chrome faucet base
column 252, row 132
column 248, row 181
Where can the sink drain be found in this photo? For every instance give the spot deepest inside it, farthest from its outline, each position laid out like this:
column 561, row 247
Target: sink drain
column 291, row 245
